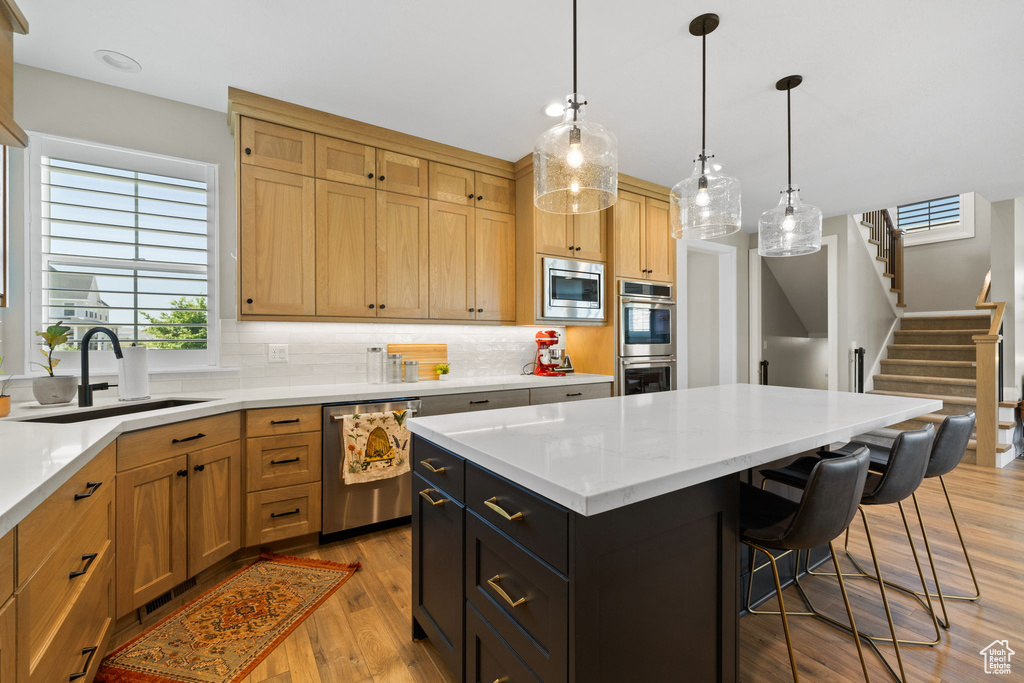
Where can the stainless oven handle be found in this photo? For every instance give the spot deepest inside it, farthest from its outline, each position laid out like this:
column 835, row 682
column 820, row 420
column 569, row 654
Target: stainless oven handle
column 338, row 418
column 652, row 302
column 649, row 363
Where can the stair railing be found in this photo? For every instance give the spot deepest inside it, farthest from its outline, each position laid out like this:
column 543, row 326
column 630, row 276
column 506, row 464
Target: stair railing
column 989, row 376
column 889, row 241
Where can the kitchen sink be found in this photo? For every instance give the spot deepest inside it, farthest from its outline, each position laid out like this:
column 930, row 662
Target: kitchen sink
column 113, row 411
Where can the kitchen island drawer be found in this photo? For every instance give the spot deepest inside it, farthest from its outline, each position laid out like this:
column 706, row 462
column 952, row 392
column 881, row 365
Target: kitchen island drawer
column 148, row 446
column 580, row 392
column 274, row 421
column 275, row 461
column 477, row 400
column 441, row 468
column 539, row 525
column 525, row 601
column 488, row 657
column 282, row 513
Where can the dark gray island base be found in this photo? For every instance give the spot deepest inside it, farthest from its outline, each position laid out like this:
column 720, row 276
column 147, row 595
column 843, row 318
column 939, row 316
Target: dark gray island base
column 512, row 587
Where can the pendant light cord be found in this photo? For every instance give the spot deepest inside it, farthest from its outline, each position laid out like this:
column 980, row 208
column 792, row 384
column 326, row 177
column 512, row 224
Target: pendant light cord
column 703, row 93
column 575, row 68
column 789, row 143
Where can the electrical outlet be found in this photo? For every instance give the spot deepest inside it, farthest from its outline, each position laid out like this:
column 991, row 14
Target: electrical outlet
column 277, row 353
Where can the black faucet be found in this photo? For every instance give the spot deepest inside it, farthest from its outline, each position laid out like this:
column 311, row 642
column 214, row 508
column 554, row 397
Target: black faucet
column 85, row 389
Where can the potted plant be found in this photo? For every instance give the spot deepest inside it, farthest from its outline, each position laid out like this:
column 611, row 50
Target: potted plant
column 5, row 398
column 53, row 389
column 442, row 370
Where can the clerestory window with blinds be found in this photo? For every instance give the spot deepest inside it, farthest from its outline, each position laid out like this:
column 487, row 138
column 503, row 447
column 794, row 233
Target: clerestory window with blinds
column 934, row 213
column 125, row 242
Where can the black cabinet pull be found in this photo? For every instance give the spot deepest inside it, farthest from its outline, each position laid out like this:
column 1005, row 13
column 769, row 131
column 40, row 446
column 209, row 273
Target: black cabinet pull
column 199, row 468
column 578, row 393
column 248, row 301
column 476, row 403
column 92, row 486
column 577, row 248
column 479, row 197
column 571, row 247
column 470, row 195
column 479, row 310
column 382, row 307
column 87, row 558
column 91, row 651
column 189, row 438
column 284, row 514
column 369, row 175
column 284, row 462
column 182, row 473
column 381, row 178
column 284, row 422
column 248, row 150
column 371, row 306
column 472, row 310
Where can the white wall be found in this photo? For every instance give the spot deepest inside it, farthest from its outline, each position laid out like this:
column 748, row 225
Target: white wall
column 702, row 354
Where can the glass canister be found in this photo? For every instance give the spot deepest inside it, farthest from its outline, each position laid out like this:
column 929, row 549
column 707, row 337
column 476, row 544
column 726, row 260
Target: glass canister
column 393, row 368
column 374, row 364
column 412, row 371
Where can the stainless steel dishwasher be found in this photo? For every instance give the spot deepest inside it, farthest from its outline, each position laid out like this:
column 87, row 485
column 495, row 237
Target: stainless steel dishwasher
column 348, row 506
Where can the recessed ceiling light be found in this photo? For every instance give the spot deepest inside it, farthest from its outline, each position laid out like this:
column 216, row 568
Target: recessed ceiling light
column 118, row 61
column 554, row 109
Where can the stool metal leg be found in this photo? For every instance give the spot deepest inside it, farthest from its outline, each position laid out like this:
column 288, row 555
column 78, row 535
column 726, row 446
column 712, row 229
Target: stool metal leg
column 885, row 599
column 849, row 609
column 782, row 604
column 944, row 621
column 967, row 556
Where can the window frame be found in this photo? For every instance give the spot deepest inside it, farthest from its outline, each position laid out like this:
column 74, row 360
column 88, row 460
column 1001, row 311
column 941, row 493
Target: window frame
column 962, row 230
column 160, row 360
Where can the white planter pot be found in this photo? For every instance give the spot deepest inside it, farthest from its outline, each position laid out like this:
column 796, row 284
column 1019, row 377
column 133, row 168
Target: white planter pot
column 443, row 378
column 54, row 390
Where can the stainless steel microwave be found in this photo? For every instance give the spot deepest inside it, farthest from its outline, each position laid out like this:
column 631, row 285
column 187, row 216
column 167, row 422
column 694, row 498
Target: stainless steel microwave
column 573, row 290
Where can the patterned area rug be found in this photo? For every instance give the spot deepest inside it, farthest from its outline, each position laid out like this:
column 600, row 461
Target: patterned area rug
column 223, row 634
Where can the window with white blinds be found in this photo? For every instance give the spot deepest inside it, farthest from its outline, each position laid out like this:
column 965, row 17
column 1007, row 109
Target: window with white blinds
column 125, row 243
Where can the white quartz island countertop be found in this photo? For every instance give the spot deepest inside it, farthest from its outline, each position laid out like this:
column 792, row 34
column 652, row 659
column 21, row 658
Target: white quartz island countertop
column 36, row 459
column 599, row 455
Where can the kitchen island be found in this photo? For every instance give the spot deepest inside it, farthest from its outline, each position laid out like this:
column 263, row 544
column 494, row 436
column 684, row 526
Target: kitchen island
column 598, row 541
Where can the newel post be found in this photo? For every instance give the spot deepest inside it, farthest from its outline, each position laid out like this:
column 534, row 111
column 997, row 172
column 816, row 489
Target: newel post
column 987, row 408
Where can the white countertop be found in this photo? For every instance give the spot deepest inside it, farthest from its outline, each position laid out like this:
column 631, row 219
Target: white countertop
column 36, row 459
column 598, row 455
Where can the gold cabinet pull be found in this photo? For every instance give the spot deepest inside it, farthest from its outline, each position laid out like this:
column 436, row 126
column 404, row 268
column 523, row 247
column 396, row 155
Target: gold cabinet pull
column 435, row 470
column 493, row 583
column 425, row 493
column 493, row 504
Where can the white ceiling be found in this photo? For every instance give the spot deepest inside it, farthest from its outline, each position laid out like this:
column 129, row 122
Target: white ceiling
column 901, row 100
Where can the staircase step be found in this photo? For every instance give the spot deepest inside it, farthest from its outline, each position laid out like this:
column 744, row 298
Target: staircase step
column 946, row 386
column 930, row 368
column 937, row 419
column 966, row 402
column 933, row 352
column 954, row 337
column 945, row 322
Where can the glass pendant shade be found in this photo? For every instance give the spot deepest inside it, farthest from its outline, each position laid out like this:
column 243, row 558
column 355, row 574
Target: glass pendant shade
column 790, row 229
column 575, row 165
column 705, row 205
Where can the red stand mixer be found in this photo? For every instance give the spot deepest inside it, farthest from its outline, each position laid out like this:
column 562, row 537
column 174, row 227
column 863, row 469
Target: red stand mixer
column 545, row 363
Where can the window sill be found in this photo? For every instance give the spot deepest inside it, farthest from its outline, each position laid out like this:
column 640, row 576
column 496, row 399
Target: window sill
column 946, row 234
column 190, row 372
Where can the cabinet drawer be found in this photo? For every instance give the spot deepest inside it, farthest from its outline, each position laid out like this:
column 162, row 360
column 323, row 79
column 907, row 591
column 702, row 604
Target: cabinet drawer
column 537, row 524
column 273, row 421
column 481, row 400
column 88, row 625
column 45, row 601
column 488, row 657
column 441, row 468
column 275, row 461
column 278, row 147
column 147, row 446
column 570, row 393
column 282, row 513
column 525, row 601
column 6, row 566
column 43, row 528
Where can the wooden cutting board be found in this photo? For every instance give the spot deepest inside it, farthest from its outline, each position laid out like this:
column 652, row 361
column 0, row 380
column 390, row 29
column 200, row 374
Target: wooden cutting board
column 428, row 356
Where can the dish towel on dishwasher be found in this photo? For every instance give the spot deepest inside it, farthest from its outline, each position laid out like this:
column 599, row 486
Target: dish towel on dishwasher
column 376, row 446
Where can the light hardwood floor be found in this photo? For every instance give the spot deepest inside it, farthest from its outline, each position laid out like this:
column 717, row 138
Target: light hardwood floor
column 362, row 633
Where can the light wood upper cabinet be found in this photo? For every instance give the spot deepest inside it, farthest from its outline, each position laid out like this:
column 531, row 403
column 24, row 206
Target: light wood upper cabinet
column 346, row 162
column 214, row 505
column 452, row 184
column 495, row 194
column 452, row 261
column 495, row 271
column 629, row 225
column 281, row 148
column 401, row 173
column 346, row 250
column 152, row 531
column 277, row 243
column 589, row 240
column 660, row 246
column 553, row 233
column 402, row 256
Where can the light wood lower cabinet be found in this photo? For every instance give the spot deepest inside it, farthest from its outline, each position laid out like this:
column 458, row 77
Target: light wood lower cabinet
column 275, row 461
column 214, row 505
column 282, row 513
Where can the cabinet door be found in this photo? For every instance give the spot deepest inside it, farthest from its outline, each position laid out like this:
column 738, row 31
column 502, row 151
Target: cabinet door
column 277, row 234
column 8, row 670
column 495, row 258
column 152, row 524
column 437, row 571
column 346, row 250
column 452, row 184
column 629, row 217
column 402, row 256
column 346, row 162
column 660, row 246
column 553, row 233
column 589, row 241
column 277, row 147
column 214, row 505
column 401, row 173
column 495, row 194
column 451, row 261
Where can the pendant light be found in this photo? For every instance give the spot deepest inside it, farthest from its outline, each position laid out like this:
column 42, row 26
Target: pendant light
column 575, row 163
column 707, row 204
column 792, row 228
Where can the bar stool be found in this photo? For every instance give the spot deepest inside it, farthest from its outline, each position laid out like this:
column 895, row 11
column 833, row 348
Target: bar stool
column 907, row 462
column 828, row 505
column 948, row 449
